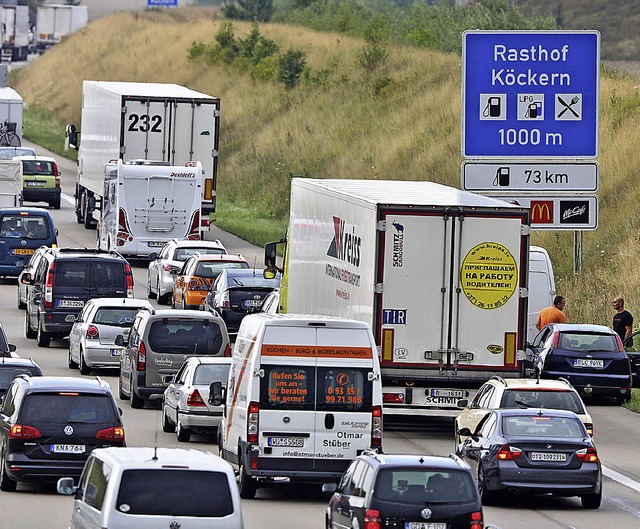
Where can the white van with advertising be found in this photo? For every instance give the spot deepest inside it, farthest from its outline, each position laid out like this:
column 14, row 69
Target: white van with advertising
column 304, row 398
column 146, row 204
column 542, row 287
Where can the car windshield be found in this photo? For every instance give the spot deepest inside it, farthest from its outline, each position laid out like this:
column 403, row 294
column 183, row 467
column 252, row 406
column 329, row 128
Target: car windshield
column 208, row 373
column 424, row 486
column 24, row 226
column 176, row 335
column 557, row 400
column 175, row 492
column 588, row 342
column 8, row 373
column 116, row 316
column 542, row 426
column 182, row 254
column 68, row 407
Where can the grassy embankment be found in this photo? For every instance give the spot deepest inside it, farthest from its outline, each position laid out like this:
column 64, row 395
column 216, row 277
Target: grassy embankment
column 400, row 121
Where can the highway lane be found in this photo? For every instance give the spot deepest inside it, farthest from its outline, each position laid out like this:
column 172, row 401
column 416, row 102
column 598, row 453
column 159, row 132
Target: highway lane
column 616, row 434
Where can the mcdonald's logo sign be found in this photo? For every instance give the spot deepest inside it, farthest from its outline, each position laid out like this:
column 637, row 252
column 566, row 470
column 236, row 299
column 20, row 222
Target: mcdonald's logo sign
column 541, row 211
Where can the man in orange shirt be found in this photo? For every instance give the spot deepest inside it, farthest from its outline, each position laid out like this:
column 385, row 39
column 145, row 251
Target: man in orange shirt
column 553, row 314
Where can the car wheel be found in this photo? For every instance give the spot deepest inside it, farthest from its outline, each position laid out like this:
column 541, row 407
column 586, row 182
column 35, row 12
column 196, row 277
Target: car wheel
column 121, row 393
column 56, row 203
column 43, row 338
column 219, row 441
column 167, row 427
column 70, row 362
column 135, row 401
column 591, row 501
column 150, row 293
column 21, row 304
column 182, row 434
column 28, row 331
column 84, row 368
column 6, row 483
column 486, row 497
column 247, row 485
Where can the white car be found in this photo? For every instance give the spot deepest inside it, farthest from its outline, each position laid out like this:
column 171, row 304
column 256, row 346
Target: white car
column 185, row 404
column 92, row 338
column 173, row 255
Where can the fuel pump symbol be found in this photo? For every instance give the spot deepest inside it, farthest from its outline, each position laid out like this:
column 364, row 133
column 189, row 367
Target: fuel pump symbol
column 502, row 178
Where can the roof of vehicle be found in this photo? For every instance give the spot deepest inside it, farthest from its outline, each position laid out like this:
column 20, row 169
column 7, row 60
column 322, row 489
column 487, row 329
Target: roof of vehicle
column 118, row 302
column 304, row 320
column 223, row 257
column 28, row 210
column 180, row 314
column 257, row 272
column 85, row 385
column 87, row 253
column 582, row 327
column 180, row 243
column 406, row 460
column 36, row 158
column 157, row 458
column 17, row 361
column 533, row 383
column 537, row 412
column 209, row 360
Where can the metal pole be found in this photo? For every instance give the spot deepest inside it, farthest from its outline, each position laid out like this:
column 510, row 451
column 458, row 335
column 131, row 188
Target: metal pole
column 577, row 252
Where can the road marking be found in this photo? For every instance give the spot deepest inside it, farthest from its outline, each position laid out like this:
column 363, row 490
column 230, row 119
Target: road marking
column 621, row 478
column 68, row 198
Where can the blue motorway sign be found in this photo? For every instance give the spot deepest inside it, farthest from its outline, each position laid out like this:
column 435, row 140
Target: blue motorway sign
column 162, row 3
column 530, row 94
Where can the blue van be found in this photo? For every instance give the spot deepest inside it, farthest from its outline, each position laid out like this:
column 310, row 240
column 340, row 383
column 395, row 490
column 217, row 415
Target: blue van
column 22, row 231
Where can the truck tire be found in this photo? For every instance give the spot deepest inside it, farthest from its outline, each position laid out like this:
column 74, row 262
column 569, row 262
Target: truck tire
column 87, row 215
column 78, row 206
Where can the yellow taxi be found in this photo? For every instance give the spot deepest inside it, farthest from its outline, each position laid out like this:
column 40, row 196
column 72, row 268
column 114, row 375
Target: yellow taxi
column 198, row 273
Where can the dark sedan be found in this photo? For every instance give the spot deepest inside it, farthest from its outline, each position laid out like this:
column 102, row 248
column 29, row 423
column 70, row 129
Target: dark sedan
column 534, row 451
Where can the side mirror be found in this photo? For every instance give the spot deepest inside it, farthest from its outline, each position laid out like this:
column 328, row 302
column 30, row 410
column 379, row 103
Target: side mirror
column 174, row 272
column 329, row 488
column 152, row 256
column 26, row 278
column 270, row 254
column 12, row 348
column 463, row 403
column 66, row 486
column 216, row 394
column 121, row 341
column 120, row 411
column 71, row 137
column 465, row 432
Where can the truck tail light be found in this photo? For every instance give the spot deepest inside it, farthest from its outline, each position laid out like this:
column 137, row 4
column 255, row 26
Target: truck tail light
column 129, row 278
column 22, row 431
column 194, row 228
column 92, row 333
column 376, row 427
column 506, row 453
column 372, row 519
column 124, row 233
column 113, row 435
column 195, row 399
column 252, row 422
column 142, row 357
column 48, row 287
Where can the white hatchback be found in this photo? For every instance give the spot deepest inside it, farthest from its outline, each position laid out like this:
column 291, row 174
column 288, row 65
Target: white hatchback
column 147, row 488
column 92, row 337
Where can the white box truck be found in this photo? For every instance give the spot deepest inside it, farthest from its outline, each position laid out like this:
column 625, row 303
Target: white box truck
column 10, row 183
column 146, row 121
column 440, row 275
column 15, row 32
column 146, row 204
column 11, row 106
column 56, row 22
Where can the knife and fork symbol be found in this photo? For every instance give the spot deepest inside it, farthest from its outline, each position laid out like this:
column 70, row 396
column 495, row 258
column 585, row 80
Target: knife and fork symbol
column 567, row 106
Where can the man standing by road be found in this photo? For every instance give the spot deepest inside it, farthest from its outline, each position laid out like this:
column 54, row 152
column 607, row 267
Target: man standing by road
column 552, row 314
column 622, row 320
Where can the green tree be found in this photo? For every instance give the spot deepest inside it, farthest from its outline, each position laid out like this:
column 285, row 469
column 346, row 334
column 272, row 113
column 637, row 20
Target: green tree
column 256, row 10
column 290, row 68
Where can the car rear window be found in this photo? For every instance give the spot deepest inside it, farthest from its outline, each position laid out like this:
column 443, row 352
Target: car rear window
column 542, row 426
column 251, row 280
column 34, row 227
column 116, row 316
column 588, row 343
column 89, row 273
column 557, row 400
column 182, row 254
column 67, row 407
column 175, row 492
column 424, row 486
column 211, row 270
column 182, row 335
column 38, row 167
column 7, row 374
column 208, row 373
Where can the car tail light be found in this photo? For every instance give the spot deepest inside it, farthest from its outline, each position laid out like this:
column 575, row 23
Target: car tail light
column 114, row 435
column 252, row 422
column 376, row 427
column 227, row 350
column 129, row 278
column 57, row 181
column 195, row 399
column 48, row 287
column 142, row 357
column 22, row 431
column 588, row 455
column 555, row 339
column 92, row 332
column 194, row 284
column 506, row 452
column 589, row 427
column 169, row 268
column 619, row 342
column 393, row 398
column 476, row 520
column 224, row 302
column 194, row 228
column 372, row 519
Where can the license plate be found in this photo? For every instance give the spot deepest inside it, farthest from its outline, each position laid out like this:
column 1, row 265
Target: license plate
column 70, row 303
column 68, row 449
column 22, row 251
column 425, row 525
column 155, row 244
column 252, row 302
column 588, row 362
column 35, row 184
column 457, row 393
column 292, row 442
column 116, row 352
column 548, row 456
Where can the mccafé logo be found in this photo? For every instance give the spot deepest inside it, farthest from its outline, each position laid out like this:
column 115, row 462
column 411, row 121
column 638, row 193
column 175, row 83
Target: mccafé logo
column 541, row 211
